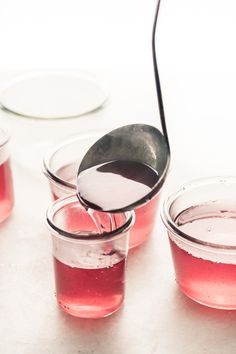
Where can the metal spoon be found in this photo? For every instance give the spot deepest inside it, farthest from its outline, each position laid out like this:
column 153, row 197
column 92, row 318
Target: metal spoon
column 136, row 142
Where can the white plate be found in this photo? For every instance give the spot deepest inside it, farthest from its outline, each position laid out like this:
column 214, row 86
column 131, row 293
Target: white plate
column 53, row 94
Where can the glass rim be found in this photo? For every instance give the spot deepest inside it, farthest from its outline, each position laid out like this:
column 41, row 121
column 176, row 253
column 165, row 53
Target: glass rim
column 61, row 202
column 5, row 136
column 169, row 201
column 58, row 146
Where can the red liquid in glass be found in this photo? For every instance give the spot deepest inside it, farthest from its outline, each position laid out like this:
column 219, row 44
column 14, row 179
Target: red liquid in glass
column 144, row 216
column 6, row 190
column 91, row 293
column 207, row 278
column 144, row 222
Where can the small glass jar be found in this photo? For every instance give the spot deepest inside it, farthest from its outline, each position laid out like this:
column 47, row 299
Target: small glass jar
column 90, row 250
column 201, row 224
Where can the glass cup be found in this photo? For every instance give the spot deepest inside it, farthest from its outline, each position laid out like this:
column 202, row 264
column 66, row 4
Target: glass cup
column 61, row 166
column 89, row 265
column 6, row 184
column 201, row 224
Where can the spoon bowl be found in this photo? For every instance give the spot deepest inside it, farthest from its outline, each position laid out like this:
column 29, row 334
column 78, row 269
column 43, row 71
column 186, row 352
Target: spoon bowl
column 139, row 143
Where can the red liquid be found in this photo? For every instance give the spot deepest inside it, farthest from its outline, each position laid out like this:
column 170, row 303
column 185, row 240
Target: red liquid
column 115, row 185
column 144, row 222
column 90, row 293
column 6, row 190
column 145, row 215
column 206, row 277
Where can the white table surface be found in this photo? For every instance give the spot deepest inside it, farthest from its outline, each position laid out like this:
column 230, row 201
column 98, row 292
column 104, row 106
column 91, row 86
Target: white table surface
column 197, row 61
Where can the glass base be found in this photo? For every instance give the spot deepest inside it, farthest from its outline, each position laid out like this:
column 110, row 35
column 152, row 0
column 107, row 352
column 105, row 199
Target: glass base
column 89, row 311
column 218, row 306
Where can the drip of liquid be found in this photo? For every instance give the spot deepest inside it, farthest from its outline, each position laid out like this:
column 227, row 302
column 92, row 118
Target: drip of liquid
column 95, row 219
column 115, row 185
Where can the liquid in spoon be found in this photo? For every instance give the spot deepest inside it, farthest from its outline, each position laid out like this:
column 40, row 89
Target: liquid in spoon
column 115, row 184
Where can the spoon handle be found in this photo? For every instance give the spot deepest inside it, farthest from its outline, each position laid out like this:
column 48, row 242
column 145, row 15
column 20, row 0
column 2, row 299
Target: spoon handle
column 157, row 78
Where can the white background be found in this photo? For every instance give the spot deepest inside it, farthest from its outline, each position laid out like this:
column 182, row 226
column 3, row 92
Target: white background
column 112, row 39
